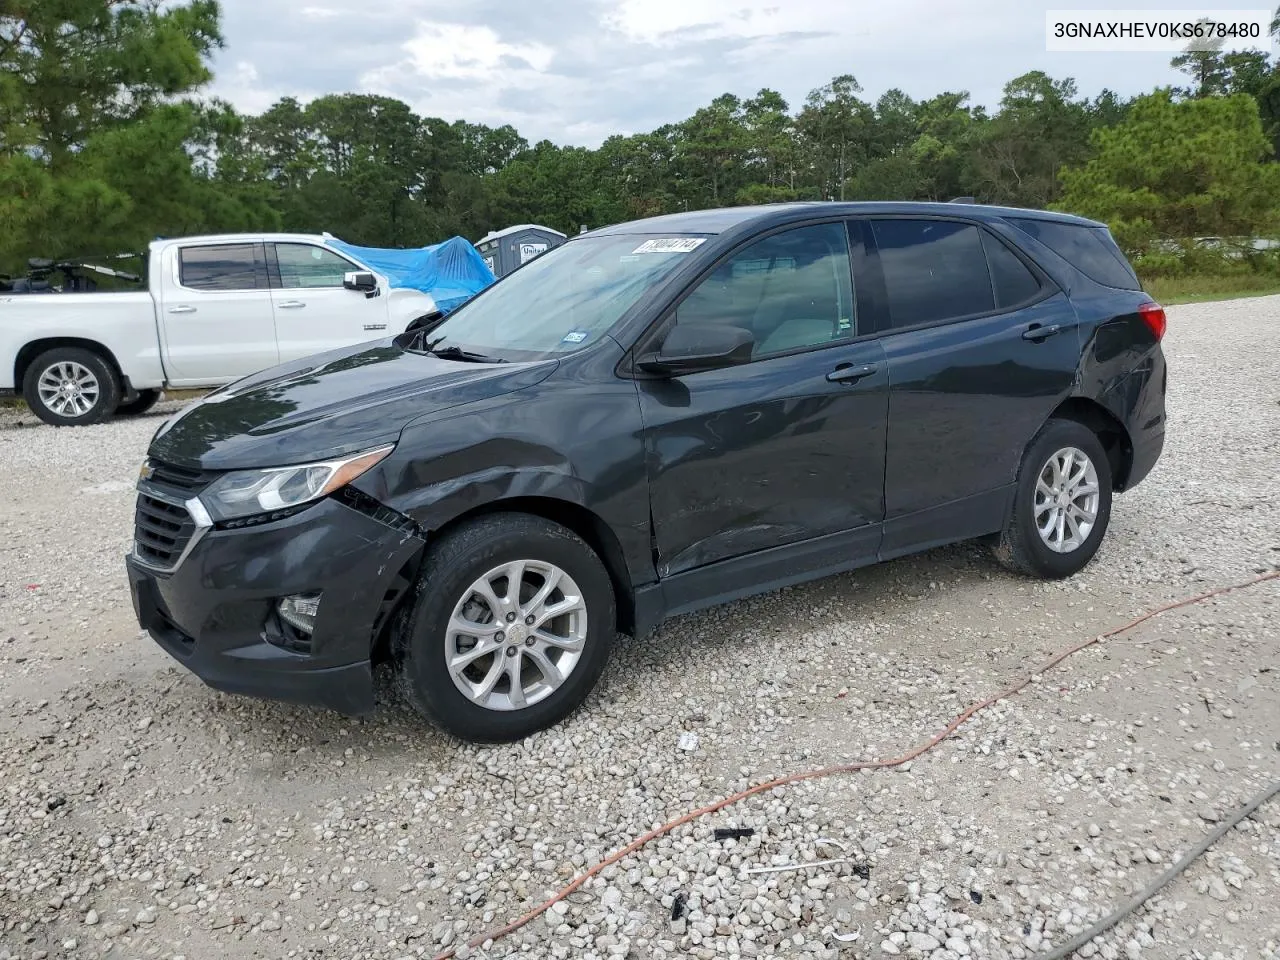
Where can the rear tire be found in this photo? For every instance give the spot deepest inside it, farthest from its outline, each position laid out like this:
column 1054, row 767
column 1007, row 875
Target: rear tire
column 144, row 401
column 71, row 387
column 1062, row 504
column 470, row 641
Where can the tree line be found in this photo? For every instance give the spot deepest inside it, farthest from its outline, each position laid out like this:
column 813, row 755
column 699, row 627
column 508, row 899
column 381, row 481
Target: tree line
column 106, row 143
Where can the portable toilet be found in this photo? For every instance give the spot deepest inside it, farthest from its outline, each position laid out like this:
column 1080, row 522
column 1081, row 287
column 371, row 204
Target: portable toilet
column 504, row 250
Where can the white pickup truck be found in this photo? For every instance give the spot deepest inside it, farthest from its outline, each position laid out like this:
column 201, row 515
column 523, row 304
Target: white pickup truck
column 215, row 309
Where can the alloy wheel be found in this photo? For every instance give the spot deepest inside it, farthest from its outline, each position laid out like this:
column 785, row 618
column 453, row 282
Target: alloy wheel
column 1067, row 500
column 69, row 388
column 516, row 635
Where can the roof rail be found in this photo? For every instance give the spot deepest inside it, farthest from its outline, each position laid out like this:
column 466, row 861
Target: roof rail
column 962, row 200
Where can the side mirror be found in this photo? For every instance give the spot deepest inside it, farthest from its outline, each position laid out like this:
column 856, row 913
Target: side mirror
column 699, row 346
column 360, row 280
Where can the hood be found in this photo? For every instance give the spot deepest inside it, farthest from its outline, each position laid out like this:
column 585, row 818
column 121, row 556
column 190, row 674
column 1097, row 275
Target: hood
column 329, row 405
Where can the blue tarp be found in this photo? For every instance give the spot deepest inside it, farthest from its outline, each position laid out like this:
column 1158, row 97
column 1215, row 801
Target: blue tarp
column 451, row 272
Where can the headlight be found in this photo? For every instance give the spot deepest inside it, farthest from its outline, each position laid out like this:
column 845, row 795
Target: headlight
column 249, row 492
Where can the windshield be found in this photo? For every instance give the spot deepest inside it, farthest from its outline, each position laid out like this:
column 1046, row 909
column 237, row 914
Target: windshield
column 566, row 299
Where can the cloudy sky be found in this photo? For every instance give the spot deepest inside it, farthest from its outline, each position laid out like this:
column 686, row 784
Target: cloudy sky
column 575, row 71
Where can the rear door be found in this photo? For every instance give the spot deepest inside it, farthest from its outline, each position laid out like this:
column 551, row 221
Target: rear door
column 314, row 312
column 981, row 347
column 217, row 321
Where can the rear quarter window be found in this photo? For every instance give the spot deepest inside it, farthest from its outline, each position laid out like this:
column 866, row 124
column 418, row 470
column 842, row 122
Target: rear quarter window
column 1014, row 283
column 1089, row 249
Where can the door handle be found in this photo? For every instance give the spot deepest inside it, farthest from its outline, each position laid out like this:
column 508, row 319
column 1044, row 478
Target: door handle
column 291, row 305
column 182, row 309
column 848, row 372
column 1038, row 332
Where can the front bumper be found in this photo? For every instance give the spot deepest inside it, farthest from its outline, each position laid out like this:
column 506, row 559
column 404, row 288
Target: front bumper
column 215, row 613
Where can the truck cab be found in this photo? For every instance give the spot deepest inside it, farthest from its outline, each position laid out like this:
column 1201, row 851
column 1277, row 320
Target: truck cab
column 215, row 309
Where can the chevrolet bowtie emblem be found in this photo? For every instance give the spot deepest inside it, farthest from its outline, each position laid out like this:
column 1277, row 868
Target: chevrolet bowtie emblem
column 146, row 471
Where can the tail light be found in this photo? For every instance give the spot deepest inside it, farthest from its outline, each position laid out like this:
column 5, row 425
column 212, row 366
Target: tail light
column 1152, row 315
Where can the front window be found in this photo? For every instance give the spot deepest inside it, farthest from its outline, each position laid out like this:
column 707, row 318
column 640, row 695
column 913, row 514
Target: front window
column 790, row 291
column 565, row 299
column 303, row 265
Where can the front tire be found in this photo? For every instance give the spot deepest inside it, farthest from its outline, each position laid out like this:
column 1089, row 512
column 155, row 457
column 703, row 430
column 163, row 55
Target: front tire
column 71, row 387
column 510, row 630
column 144, row 401
column 1062, row 504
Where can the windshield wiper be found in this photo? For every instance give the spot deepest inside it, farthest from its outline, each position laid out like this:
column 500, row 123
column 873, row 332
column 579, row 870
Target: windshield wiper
column 457, row 353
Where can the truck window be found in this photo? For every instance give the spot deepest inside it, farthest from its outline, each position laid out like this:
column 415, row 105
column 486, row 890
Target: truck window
column 304, row 265
column 225, row 266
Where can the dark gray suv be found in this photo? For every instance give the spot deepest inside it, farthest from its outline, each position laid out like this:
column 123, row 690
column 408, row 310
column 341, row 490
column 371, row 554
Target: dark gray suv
column 649, row 419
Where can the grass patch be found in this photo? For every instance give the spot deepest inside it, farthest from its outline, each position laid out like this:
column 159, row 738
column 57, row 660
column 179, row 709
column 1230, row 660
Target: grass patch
column 1196, row 288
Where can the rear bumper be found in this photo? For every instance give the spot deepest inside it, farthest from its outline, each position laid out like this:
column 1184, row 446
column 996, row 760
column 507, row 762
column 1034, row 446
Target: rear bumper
column 1144, row 459
column 215, row 614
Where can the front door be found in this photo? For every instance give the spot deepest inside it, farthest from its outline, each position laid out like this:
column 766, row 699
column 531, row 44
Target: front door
column 314, row 312
column 788, row 446
column 215, row 312
column 981, row 348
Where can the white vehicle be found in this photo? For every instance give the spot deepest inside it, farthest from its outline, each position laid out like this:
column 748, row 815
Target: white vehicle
column 215, row 309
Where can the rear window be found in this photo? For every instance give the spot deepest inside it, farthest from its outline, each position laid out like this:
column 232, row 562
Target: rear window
column 934, row 270
column 1089, row 249
column 227, row 266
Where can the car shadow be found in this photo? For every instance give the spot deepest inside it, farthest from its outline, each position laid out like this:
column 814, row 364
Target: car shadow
column 316, row 737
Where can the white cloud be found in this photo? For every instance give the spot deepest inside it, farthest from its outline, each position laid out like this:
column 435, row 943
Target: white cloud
column 457, row 52
column 659, row 21
column 576, row 71
column 243, row 88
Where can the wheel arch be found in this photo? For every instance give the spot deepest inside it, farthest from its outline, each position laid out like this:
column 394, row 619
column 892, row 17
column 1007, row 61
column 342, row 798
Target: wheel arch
column 30, row 351
column 594, row 531
column 1110, row 432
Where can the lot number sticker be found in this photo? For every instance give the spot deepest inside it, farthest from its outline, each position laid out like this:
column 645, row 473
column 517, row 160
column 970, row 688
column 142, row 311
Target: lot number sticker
column 670, row 245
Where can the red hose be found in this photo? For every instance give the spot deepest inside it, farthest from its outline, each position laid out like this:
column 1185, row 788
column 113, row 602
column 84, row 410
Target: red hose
column 910, row 755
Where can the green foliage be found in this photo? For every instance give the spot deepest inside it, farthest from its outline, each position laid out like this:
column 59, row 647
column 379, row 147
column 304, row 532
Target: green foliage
column 98, row 150
column 1179, row 170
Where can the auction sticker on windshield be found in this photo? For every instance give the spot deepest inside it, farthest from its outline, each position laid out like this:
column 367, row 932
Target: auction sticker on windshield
column 670, row 245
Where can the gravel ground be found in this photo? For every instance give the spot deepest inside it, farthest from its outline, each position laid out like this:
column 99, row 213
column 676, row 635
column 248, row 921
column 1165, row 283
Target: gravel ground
column 143, row 815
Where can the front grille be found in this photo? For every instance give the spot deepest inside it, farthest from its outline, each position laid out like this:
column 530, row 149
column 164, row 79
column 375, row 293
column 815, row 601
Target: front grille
column 163, row 527
column 161, row 531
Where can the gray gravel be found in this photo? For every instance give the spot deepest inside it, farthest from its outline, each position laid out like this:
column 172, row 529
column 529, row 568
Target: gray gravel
column 143, row 815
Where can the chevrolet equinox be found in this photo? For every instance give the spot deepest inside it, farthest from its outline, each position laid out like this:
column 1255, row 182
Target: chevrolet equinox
column 650, row 419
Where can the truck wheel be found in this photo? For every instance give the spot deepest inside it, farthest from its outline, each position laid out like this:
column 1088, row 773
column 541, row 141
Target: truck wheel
column 144, row 401
column 510, row 630
column 71, row 387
